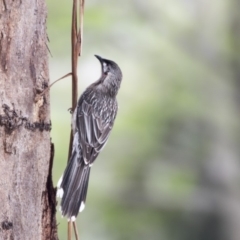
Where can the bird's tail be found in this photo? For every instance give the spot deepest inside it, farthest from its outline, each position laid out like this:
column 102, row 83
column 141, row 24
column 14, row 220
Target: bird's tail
column 72, row 187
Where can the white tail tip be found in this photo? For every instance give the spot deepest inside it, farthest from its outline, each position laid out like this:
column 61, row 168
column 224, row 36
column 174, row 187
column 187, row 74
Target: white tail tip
column 82, row 206
column 72, row 219
column 59, row 182
column 60, row 193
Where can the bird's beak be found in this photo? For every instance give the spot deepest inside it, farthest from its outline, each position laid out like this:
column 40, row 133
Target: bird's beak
column 103, row 64
column 99, row 58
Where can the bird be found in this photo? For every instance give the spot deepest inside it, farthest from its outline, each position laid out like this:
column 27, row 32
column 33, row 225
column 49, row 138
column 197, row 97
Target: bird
column 92, row 122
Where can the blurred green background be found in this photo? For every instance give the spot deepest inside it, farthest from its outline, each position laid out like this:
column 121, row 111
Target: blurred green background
column 171, row 169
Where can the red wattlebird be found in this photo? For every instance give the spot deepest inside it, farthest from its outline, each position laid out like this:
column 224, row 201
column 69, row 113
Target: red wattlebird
column 92, row 123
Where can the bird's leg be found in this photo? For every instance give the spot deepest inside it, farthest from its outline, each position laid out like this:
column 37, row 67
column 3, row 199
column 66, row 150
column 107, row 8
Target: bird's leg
column 70, row 110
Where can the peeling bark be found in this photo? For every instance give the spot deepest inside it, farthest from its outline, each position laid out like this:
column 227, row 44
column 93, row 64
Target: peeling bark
column 27, row 197
column 49, row 202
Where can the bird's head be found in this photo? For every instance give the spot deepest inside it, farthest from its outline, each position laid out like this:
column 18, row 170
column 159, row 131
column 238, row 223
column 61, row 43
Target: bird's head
column 111, row 75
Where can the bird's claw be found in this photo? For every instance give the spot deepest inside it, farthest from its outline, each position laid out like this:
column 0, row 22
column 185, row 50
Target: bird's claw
column 70, row 110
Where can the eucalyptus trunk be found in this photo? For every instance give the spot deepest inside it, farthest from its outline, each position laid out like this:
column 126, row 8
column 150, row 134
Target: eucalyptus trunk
column 27, row 197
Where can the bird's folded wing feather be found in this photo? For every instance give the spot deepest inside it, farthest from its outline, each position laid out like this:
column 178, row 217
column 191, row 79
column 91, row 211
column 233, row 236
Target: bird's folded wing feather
column 93, row 130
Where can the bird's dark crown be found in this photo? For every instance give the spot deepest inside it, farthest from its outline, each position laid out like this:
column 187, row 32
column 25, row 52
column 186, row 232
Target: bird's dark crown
column 111, row 75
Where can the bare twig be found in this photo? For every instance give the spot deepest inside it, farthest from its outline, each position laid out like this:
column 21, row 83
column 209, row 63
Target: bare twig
column 69, row 230
column 75, row 53
column 45, row 90
column 76, row 35
column 80, row 34
column 75, row 230
column 67, row 75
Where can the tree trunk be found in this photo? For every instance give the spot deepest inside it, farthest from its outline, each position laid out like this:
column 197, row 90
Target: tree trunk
column 27, row 197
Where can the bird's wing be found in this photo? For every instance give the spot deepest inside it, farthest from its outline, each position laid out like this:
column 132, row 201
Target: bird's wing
column 94, row 127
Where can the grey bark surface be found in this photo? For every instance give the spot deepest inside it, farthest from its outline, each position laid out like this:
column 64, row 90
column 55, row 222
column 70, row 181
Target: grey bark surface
column 27, row 197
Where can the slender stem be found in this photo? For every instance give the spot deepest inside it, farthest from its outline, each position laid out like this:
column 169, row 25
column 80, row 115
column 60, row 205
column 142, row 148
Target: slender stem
column 75, row 230
column 74, row 83
column 74, row 56
column 76, row 37
column 69, row 230
column 67, row 75
column 81, row 12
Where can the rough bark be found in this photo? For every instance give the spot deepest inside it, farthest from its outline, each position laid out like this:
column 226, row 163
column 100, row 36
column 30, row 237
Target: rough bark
column 27, row 197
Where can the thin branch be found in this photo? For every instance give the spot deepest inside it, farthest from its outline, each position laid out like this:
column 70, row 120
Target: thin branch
column 38, row 96
column 75, row 230
column 69, row 230
column 80, row 34
column 76, row 37
column 67, row 75
column 75, row 51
